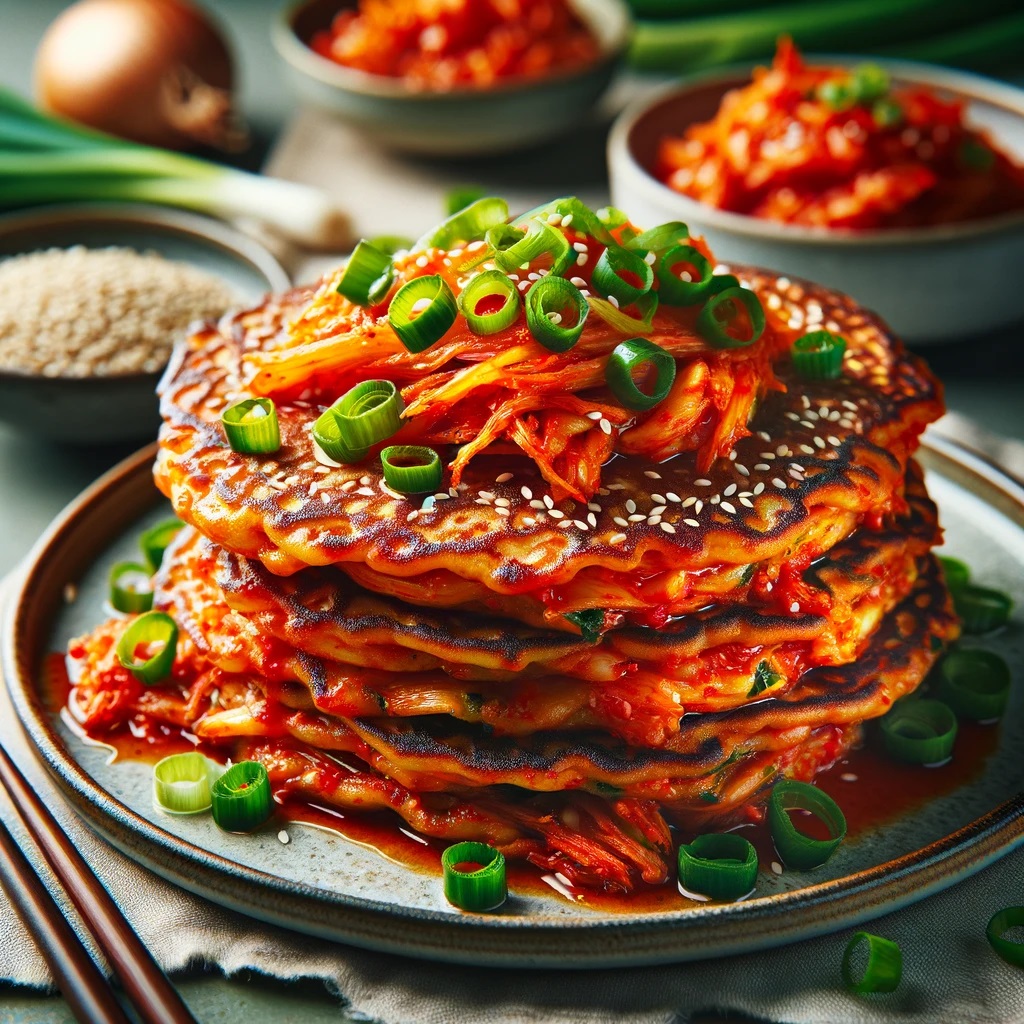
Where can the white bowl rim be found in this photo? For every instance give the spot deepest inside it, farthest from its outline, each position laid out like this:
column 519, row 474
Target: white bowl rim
column 302, row 58
column 964, row 83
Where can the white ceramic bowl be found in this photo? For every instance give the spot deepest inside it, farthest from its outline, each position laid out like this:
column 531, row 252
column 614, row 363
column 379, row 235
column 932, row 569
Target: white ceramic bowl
column 458, row 122
column 931, row 284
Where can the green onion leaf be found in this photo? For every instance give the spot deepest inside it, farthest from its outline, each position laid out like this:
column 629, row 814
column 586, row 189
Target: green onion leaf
column 919, row 731
column 796, row 849
column 611, row 217
column 490, row 303
column 622, row 275
column 241, row 798
column 590, row 622
column 131, row 589
column 181, row 783
column 540, row 239
column 474, row 876
column 411, row 469
column 251, row 426
column 1001, row 922
column 422, row 312
column 462, row 196
column 956, row 572
column 720, row 865
column 676, row 290
column 883, row 969
column 556, row 313
column 818, row 355
column 148, row 646
column 570, row 212
column 622, row 322
column 155, row 541
column 391, row 243
column 719, row 282
column 887, row 113
column 975, row 684
column 732, row 318
column 661, row 238
column 837, row 93
column 639, row 354
column 765, row 677
column 467, row 225
column 870, row 82
column 367, row 414
column 981, row 609
column 367, row 276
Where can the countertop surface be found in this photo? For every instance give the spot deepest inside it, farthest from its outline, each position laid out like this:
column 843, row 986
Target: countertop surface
column 984, row 380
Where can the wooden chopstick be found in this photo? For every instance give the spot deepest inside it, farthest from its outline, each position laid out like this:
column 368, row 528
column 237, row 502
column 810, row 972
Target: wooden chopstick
column 83, row 985
column 145, row 983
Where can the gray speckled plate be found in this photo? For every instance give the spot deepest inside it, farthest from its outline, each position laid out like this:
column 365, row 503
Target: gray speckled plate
column 326, row 885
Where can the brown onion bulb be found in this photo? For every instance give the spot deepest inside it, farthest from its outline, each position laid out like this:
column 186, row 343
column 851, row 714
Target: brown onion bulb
column 154, row 71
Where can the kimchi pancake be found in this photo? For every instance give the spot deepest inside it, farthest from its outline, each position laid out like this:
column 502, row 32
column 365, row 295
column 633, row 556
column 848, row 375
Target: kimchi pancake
column 821, row 458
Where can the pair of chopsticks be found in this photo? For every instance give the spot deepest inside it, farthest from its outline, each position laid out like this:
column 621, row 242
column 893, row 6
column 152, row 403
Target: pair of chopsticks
column 84, row 986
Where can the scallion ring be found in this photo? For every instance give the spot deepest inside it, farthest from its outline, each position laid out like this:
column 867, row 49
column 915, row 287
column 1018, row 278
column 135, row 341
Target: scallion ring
column 474, row 876
column 411, row 468
column 732, row 318
column 489, row 302
column 131, row 589
column 639, row 354
column 661, row 238
column 882, row 971
column 919, row 731
column 181, row 783
column 241, row 799
column 622, row 322
column 980, row 608
column 467, row 225
column 611, row 217
column 1000, row 923
column 367, row 276
column 719, row 282
column 975, row 684
column 365, row 415
column 720, row 865
column 622, row 275
column 570, row 212
column 956, row 572
column 540, row 239
column 391, row 243
column 502, row 237
column 887, row 113
column 422, row 312
column 685, row 276
column 870, row 82
column 556, row 312
column 155, row 541
column 251, row 426
column 148, row 646
column 796, row 849
column 818, row 355
column 462, row 196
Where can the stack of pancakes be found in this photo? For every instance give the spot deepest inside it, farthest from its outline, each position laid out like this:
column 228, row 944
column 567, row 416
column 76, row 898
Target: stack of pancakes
column 563, row 679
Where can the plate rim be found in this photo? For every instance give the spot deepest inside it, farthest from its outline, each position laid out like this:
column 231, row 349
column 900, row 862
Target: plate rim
column 476, row 939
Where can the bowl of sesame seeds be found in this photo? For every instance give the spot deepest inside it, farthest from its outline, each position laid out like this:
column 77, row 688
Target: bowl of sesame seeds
column 934, row 283
column 92, row 301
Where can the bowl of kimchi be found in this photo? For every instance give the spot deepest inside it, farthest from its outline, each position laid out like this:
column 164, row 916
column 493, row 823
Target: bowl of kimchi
column 468, row 77
column 911, row 201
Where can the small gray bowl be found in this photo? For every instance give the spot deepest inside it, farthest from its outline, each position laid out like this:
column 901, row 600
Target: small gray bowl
column 101, row 410
column 457, row 122
column 931, row 284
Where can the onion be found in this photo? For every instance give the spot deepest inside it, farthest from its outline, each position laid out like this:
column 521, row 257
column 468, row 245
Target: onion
column 154, row 71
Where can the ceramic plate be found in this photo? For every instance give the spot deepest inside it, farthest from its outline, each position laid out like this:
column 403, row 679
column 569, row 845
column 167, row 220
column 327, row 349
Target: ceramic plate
column 326, row 885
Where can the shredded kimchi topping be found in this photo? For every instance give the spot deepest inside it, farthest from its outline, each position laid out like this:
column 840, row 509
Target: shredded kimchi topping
column 801, row 146
column 444, row 44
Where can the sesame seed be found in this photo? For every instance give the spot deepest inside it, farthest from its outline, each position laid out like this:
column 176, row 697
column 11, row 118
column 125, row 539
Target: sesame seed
column 523, row 285
column 805, row 401
column 763, row 466
column 820, row 442
column 812, row 415
column 652, row 474
column 657, row 510
column 592, row 519
column 668, row 527
column 698, row 507
column 807, row 423
column 797, row 475
column 726, row 507
column 580, row 246
column 581, row 260
column 765, row 436
column 503, row 511
column 653, row 520
column 688, row 502
column 672, row 496
column 742, row 470
column 532, row 277
column 732, row 455
column 849, row 405
column 556, row 514
column 651, row 258
column 284, row 837
column 747, row 502
column 595, row 415
column 730, row 490
column 614, row 301
column 793, row 416
column 619, row 521
column 503, row 479
column 833, row 440
column 776, row 867
column 605, row 426
column 617, row 487
column 440, row 496
column 659, row 499
column 758, row 488
column 325, row 497
column 630, row 505
column 848, row 777
column 794, row 607
column 554, row 219
column 823, row 411
column 549, row 501
column 715, row 499
column 637, row 518
column 452, row 492
column 564, row 524
column 593, row 506
column 578, row 281
column 616, row 538
column 767, row 455
column 580, row 524
column 782, row 450
column 502, row 502
column 412, row 515
column 781, row 484
column 691, row 522
column 526, row 492
column 806, row 449
column 421, row 262
column 567, row 220
column 529, row 521
column 702, row 483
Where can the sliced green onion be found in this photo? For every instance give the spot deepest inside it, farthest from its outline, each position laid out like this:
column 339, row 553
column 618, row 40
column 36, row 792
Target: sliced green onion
column 131, row 589
column 919, row 731
column 411, row 468
column 241, row 798
column 501, row 238
column 181, row 783
column 719, row 282
column 367, row 276
column 590, row 622
column 556, row 313
column 956, row 572
column 462, row 196
column 611, row 217
column 622, row 322
column 837, row 93
column 673, row 290
column 725, row 312
column 499, row 298
column 765, row 677
column 570, row 212
column 540, row 239
column 975, row 684
column 422, row 312
column 981, row 609
column 1001, row 922
column 365, row 415
column 796, row 849
column 818, row 355
column 608, row 277
column 887, row 113
column 391, row 243
column 720, row 865
column 467, row 225
column 474, row 876
column 883, row 969
column 157, row 539
column 643, row 355
column 870, row 82
column 976, row 156
column 661, row 238
column 148, row 646
column 251, row 426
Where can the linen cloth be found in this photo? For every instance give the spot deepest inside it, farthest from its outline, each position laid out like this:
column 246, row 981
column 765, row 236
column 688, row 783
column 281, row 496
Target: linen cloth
column 951, row 975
